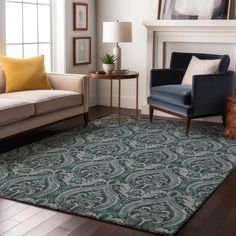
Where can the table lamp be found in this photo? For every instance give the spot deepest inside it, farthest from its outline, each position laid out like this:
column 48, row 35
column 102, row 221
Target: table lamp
column 117, row 32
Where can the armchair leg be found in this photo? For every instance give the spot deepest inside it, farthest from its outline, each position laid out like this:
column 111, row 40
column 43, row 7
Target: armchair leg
column 86, row 118
column 187, row 124
column 224, row 119
column 150, row 113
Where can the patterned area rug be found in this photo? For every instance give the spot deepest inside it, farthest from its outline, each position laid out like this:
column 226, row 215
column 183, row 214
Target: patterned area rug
column 147, row 176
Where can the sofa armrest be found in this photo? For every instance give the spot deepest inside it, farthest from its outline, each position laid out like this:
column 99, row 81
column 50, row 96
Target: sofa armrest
column 71, row 82
column 166, row 76
column 209, row 92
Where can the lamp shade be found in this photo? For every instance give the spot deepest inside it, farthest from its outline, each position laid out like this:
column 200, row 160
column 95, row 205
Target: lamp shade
column 115, row 32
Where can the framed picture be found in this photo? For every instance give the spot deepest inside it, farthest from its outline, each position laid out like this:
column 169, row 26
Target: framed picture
column 192, row 9
column 80, row 16
column 82, row 50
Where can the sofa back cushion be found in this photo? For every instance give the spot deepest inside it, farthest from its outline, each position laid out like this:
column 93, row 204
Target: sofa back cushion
column 200, row 67
column 181, row 60
column 24, row 74
column 2, row 81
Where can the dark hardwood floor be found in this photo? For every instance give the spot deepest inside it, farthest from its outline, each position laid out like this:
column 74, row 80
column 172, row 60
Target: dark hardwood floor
column 217, row 217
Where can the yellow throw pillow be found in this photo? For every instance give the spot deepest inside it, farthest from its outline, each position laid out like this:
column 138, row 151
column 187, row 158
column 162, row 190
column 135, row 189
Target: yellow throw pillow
column 24, row 74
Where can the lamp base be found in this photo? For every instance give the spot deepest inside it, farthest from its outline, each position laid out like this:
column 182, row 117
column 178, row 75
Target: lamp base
column 117, row 53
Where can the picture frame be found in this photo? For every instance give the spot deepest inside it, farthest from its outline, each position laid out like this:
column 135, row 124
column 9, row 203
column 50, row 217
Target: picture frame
column 80, row 16
column 194, row 10
column 158, row 6
column 81, row 50
column 223, row 11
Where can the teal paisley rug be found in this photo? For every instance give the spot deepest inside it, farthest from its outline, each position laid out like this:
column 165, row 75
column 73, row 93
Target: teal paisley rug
column 147, row 176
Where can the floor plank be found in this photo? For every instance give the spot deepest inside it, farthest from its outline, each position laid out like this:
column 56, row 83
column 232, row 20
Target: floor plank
column 26, row 214
column 49, row 225
column 7, row 225
column 11, row 211
column 30, row 224
column 5, row 204
column 86, row 229
column 123, row 231
column 73, row 223
column 58, row 232
column 104, row 229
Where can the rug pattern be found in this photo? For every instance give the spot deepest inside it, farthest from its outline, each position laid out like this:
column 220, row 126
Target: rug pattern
column 142, row 175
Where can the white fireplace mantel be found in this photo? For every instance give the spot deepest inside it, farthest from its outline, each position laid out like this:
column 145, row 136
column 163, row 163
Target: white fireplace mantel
column 160, row 32
column 187, row 31
column 191, row 25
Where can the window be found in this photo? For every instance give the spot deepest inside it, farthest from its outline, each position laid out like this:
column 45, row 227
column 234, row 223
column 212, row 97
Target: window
column 28, row 29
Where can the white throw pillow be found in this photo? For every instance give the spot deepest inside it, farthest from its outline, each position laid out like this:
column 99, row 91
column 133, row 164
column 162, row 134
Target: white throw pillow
column 200, row 67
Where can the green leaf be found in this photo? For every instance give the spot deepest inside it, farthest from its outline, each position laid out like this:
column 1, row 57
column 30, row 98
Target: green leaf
column 108, row 59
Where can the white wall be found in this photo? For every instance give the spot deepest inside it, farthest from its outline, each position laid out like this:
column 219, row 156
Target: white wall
column 2, row 28
column 70, row 33
column 59, row 36
column 133, row 54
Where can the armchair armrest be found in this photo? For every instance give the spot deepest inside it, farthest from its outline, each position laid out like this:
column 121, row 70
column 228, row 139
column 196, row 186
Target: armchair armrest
column 209, row 92
column 166, row 76
column 71, row 82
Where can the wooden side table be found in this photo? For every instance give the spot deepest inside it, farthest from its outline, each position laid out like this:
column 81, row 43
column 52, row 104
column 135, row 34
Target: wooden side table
column 130, row 75
column 230, row 129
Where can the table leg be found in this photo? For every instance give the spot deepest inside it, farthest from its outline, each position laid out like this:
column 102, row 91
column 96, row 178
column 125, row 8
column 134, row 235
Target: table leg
column 111, row 97
column 137, row 97
column 119, row 101
column 88, row 97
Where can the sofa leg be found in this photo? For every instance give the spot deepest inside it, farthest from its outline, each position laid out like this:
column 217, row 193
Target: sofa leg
column 187, row 125
column 150, row 113
column 224, row 119
column 86, row 118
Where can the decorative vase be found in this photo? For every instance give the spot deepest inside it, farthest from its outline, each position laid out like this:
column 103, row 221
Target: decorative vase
column 108, row 68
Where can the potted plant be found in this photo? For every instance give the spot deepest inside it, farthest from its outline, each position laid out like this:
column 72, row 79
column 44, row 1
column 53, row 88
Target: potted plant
column 108, row 62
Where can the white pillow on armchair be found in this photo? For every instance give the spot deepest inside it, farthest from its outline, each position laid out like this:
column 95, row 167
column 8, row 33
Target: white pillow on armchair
column 200, row 67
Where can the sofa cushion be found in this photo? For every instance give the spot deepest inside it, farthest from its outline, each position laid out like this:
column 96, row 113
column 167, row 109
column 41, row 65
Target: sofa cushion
column 173, row 94
column 13, row 110
column 46, row 101
column 181, row 60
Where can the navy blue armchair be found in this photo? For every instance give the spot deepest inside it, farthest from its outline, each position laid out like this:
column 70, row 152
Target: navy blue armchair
column 205, row 97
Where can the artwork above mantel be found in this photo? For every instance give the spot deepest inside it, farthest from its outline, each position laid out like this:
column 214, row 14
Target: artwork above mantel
column 192, row 9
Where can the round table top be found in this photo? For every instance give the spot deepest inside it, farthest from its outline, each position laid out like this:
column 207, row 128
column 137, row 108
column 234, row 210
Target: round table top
column 103, row 75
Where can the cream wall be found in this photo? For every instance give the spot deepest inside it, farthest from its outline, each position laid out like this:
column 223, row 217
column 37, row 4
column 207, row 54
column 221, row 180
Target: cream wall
column 2, row 28
column 70, row 33
column 59, row 36
column 133, row 54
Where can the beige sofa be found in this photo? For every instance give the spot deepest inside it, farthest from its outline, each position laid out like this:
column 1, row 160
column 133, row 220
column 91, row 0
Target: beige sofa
column 25, row 110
